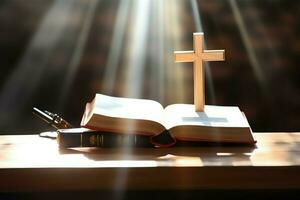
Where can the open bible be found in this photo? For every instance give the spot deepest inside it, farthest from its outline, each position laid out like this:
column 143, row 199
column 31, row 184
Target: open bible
column 221, row 124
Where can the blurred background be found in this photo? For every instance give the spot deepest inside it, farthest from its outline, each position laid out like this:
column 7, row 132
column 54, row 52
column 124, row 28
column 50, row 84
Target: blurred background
column 56, row 54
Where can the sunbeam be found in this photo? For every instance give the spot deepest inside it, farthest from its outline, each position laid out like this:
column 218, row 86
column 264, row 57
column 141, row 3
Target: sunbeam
column 136, row 53
column 117, row 42
column 174, row 36
column 134, row 66
column 23, row 82
column 249, row 48
column 157, row 52
column 77, row 53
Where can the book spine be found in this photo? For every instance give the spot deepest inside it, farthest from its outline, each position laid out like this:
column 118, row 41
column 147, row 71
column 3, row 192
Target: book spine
column 100, row 139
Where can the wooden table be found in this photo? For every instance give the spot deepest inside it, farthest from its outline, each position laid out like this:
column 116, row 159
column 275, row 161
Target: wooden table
column 31, row 163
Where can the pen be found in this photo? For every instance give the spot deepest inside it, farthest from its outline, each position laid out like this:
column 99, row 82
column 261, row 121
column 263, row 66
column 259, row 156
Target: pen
column 52, row 119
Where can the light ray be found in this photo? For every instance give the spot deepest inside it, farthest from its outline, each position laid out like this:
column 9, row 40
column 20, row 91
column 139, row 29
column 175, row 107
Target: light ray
column 157, row 53
column 161, row 52
column 249, row 48
column 78, row 51
column 27, row 75
column 116, row 45
column 137, row 49
column 174, row 36
column 134, row 72
column 269, row 45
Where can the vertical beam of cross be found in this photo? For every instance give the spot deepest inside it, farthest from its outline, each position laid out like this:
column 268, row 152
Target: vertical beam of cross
column 197, row 56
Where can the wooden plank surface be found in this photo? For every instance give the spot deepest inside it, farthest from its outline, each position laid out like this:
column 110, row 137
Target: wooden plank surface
column 31, row 163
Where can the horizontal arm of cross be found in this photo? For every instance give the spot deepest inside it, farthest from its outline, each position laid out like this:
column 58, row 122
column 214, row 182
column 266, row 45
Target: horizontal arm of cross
column 213, row 55
column 184, row 56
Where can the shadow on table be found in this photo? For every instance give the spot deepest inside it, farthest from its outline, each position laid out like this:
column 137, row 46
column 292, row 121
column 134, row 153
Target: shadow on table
column 204, row 154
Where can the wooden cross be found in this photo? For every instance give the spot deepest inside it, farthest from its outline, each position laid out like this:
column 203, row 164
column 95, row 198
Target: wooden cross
column 197, row 57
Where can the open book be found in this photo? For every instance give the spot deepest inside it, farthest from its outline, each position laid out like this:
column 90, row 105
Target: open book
column 147, row 117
